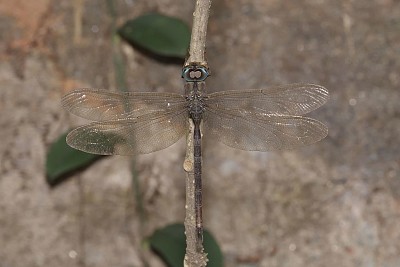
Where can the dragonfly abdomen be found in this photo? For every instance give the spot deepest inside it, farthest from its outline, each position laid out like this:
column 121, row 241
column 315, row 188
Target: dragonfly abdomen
column 197, row 178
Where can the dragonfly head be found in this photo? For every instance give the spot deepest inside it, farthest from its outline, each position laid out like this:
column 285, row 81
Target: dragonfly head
column 195, row 73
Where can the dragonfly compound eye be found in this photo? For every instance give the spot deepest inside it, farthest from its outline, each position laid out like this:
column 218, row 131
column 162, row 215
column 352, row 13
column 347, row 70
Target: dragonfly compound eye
column 195, row 73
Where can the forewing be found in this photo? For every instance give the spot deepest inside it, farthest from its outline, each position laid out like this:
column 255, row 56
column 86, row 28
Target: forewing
column 102, row 105
column 261, row 132
column 144, row 134
column 292, row 99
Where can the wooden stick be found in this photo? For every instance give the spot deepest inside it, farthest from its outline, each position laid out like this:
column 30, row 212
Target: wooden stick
column 199, row 33
column 195, row 256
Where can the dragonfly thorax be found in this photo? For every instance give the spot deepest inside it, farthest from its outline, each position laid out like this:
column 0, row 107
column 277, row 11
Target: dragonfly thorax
column 195, row 105
column 196, row 110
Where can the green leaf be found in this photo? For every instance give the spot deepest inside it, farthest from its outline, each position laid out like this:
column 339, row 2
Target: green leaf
column 214, row 252
column 159, row 34
column 63, row 160
column 170, row 243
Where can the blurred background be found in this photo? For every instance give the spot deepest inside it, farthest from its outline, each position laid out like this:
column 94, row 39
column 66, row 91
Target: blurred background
column 335, row 203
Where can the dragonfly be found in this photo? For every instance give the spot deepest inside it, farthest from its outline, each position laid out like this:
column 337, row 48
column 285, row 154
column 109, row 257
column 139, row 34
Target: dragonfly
column 133, row 123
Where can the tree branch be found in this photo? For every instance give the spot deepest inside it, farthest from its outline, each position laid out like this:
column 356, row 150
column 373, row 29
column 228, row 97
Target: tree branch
column 195, row 256
column 199, row 33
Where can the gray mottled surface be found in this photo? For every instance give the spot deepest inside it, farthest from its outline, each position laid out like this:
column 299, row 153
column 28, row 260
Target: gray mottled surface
column 336, row 203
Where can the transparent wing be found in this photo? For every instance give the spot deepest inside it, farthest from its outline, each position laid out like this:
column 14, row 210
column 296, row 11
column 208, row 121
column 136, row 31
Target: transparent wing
column 292, row 99
column 101, row 105
column 261, row 132
column 144, row 134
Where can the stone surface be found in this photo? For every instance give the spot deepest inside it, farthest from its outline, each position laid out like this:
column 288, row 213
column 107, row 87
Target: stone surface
column 335, row 203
